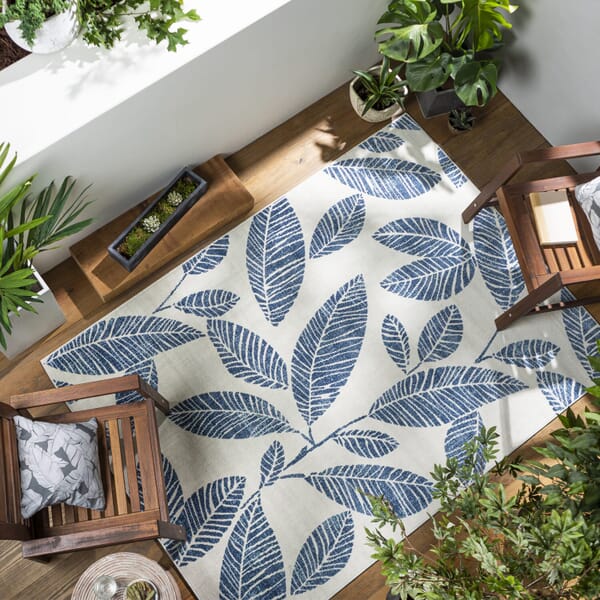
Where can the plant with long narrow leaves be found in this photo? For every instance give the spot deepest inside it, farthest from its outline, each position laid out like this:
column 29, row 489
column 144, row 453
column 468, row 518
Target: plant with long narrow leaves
column 381, row 89
column 441, row 40
column 29, row 225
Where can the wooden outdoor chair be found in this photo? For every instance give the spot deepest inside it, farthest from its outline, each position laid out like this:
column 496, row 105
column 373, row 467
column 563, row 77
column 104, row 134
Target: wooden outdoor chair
column 546, row 269
column 130, row 462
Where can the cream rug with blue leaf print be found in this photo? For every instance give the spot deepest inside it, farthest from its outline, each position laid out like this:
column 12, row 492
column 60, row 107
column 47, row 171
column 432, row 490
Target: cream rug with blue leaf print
column 342, row 339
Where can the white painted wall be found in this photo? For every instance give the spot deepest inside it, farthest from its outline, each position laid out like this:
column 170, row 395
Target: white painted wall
column 550, row 70
column 215, row 103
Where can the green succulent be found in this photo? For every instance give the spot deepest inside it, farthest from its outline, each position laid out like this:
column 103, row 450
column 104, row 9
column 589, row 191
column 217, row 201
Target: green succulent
column 382, row 89
column 151, row 223
column 174, row 198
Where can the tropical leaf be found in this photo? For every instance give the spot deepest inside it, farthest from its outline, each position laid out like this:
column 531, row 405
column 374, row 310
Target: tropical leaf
column 382, row 142
column 395, row 340
column 433, row 279
column 246, row 355
column 582, row 330
column 175, row 499
column 116, row 344
column 147, row 371
column 366, row 443
column 327, row 349
column 530, row 354
column 208, row 258
column 228, row 415
column 347, row 485
column 560, row 391
column 420, row 236
column 405, row 122
column 272, row 463
column 206, row 516
column 496, row 257
column 441, row 395
column 454, row 174
column 442, row 335
column 340, row 225
column 388, row 178
column 252, row 567
column 324, row 554
column 464, row 430
column 208, row 303
column 275, row 259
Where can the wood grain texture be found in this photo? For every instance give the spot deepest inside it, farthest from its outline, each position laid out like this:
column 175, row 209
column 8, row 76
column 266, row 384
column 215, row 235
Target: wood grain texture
column 268, row 167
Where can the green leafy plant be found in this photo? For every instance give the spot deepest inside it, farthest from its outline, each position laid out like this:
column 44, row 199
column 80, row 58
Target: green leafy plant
column 29, row 225
column 381, row 89
column 442, row 40
column 461, row 119
column 542, row 542
column 102, row 21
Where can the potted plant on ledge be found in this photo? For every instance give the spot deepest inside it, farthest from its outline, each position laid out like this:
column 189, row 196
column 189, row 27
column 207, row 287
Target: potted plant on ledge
column 378, row 94
column 543, row 542
column 448, row 48
column 29, row 225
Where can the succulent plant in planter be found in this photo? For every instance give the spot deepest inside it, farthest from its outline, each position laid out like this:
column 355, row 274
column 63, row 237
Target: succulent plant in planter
column 143, row 234
column 460, row 120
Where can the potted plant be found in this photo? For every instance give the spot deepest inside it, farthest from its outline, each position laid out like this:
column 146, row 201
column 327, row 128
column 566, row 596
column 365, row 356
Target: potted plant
column 158, row 218
column 543, row 542
column 460, row 120
column 44, row 26
column 378, row 94
column 28, row 226
column 447, row 47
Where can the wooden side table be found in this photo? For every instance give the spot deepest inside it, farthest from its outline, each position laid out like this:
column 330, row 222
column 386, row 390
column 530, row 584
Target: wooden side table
column 125, row 567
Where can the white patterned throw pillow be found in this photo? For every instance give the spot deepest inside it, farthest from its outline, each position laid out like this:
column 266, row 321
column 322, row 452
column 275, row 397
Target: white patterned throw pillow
column 588, row 196
column 58, row 463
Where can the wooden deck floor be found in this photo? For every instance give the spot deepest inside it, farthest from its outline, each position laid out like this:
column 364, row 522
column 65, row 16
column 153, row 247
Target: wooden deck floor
column 268, row 167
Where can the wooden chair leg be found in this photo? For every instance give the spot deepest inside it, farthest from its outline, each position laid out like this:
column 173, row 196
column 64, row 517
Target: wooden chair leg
column 172, row 531
column 528, row 304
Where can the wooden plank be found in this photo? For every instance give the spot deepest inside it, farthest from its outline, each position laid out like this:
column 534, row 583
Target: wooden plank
column 225, row 200
column 147, row 473
column 103, row 453
column 117, row 467
column 129, row 450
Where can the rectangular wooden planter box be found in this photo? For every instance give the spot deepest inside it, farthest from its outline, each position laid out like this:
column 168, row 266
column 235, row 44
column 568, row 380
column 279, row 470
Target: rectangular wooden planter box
column 186, row 204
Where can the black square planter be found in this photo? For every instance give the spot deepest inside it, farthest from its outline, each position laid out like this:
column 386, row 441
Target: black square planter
column 438, row 102
column 186, row 204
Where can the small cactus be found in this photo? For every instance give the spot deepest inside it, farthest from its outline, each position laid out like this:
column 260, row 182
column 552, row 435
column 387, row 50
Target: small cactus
column 140, row 590
column 174, row 198
column 151, row 223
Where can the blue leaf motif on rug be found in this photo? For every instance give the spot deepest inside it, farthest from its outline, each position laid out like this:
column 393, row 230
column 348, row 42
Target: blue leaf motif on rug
column 271, row 463
column 406, row 122
column 465, row 429
column 395, row 340
column 496, row 257
column 246, row 355
column 208, row 258
column 366, row 443
column 228, row 415
column 560, row 391
column 275, row 258
column 175, row 499
column 441, row 395
column 114, row 345
column 252, row 567
column 582, row 330
column 441, row 335
column 382, row 142
column 346, row 484
column 324, row 554
column 206, row 516
column 147, row 371
column 339, row 226
column 454, row 174
column 388, row 178
column 328, row 348
column 208, row 303
column 530, row 354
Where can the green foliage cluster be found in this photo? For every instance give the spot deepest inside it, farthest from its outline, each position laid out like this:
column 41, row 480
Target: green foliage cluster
column 543, row 542
column 28, row 225
column 138, row 235
column 382, row 89
column 102, row 20
column 439, row 40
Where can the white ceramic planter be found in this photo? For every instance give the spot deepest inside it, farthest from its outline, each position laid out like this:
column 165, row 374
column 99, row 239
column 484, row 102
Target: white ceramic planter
column 56, row 33
column 372, row 115
column 28, row 327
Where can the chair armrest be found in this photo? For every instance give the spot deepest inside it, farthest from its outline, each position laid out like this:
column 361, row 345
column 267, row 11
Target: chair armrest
column 560, row 152
column 80, row 391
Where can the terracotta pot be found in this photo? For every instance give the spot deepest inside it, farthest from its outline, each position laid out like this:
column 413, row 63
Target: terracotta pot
column 372, row 115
